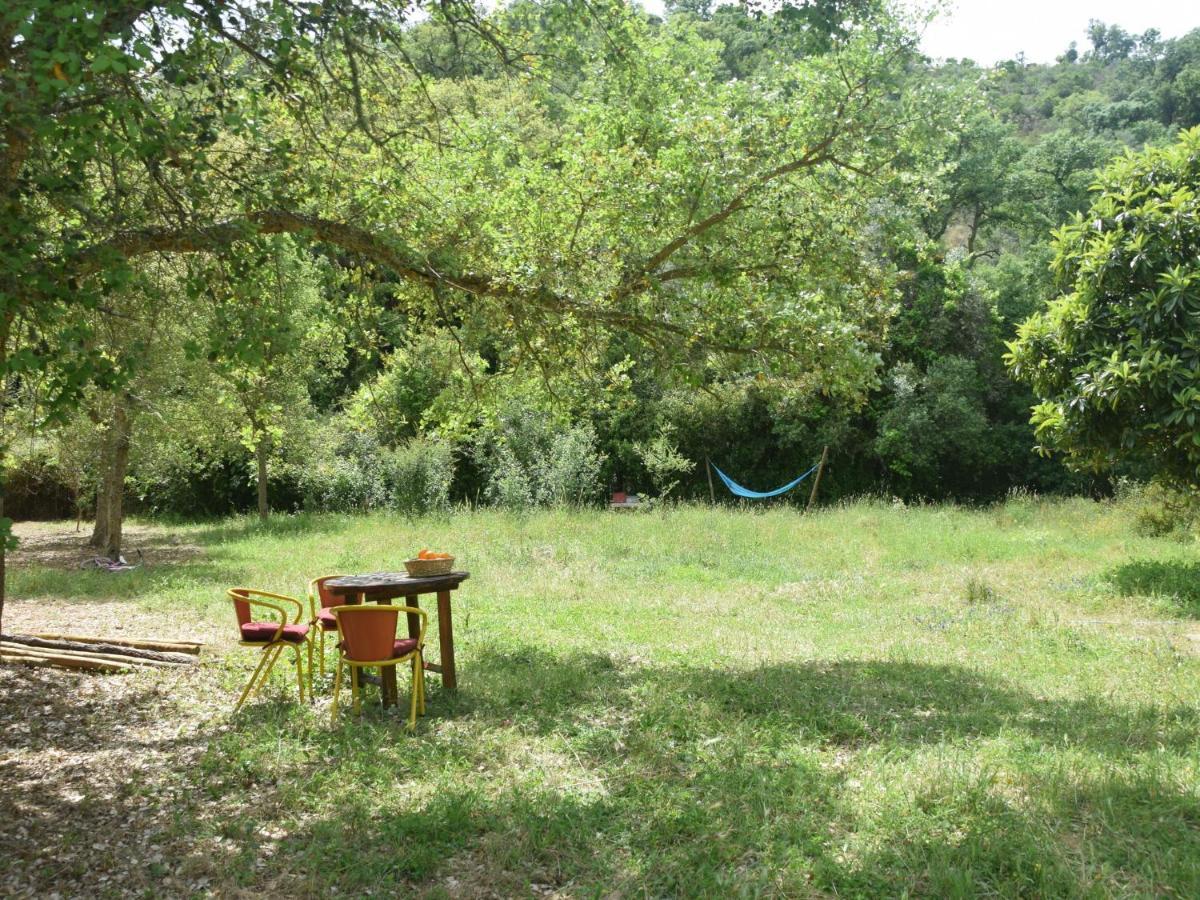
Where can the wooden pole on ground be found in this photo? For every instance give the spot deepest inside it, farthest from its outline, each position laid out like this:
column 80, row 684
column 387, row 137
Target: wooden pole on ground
column 192, row 647
column 101, row 648
column 712, row 495
column 110, row 659
column 812, row 497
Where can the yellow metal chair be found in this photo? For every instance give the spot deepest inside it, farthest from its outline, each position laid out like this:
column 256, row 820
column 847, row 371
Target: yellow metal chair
column 320, row 606
column 271, row 637
column 369, row 641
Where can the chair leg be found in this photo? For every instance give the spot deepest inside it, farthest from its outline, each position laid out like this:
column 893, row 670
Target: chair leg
column 354, row 691
column 419, row 682
column 272, row 654
column 310, row 666
column 337, row 688
column 247, row 690
column 416, row 693
column 300, row 670
column 322, row 630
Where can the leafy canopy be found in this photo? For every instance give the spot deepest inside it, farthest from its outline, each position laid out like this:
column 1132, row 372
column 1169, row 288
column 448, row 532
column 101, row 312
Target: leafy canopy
column 1115, row 358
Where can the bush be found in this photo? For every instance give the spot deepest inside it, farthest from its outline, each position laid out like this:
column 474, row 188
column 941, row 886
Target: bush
column 570, row 474
column 351, row 479
column 361, row 475
column 663, row 462
column 419, row 473
column 529, row 461
column 508, row 484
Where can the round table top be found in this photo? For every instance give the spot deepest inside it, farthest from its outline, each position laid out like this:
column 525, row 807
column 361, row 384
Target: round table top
column 399, row 582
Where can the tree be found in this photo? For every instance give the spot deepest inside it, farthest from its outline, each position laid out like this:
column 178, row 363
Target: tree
column 267, row 340
column 1115, row 357
column 716, row 220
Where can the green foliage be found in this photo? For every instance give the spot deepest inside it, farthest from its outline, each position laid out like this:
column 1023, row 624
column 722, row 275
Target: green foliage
column 529, row 460
column 935, row 425
column 663, row 461
column 1113, row 358
column 420, row 473
column 758, row 227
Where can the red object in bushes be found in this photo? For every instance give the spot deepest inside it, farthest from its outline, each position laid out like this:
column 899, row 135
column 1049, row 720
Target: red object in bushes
column 618, row 497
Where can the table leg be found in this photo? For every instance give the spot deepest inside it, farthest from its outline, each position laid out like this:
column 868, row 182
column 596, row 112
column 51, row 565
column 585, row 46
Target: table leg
column 414, row 621
column 446, row 639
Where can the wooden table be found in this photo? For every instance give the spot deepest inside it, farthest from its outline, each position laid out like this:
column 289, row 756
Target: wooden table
column 381, row 587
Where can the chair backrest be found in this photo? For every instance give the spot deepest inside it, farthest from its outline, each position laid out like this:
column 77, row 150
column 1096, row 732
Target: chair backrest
column 368, row 631
column 245, row 599
column 328, row 600
column 241, row 604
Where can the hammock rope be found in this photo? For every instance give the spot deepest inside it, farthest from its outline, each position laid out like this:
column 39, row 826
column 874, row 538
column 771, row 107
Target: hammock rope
column 739, row 491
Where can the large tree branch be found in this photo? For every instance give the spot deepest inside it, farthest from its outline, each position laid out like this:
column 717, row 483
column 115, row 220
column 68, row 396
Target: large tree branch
column 405, row 263
column 221, row 235
column 812, row 157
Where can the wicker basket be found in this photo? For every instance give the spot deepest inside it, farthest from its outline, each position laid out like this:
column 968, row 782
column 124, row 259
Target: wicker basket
column 423, row 568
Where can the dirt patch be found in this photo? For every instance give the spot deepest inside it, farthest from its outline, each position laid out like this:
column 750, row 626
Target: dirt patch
column 113, row 619
column 90, row 779
column 59, row 546
column 100, row 775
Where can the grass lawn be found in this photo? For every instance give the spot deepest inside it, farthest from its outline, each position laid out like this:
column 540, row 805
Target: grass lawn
column 868, row 701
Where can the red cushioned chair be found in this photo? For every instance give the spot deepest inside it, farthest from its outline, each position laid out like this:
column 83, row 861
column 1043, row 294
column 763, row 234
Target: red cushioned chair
column 320, row 606
column 369, row 640
column 271, row 637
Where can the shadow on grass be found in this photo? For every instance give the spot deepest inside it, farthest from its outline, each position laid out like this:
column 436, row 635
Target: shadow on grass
column 599, row 777
column 1174, row 581
column 89, row 781
column 594, row 777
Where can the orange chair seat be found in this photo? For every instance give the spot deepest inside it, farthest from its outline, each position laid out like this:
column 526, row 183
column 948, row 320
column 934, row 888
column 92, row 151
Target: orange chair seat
column 400, row 647
column 265, row 631
column 327, row 620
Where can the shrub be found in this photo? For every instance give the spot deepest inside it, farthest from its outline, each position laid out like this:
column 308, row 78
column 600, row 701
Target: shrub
column 530, row 461
column 352, row 479
column 570, row 474
column 339, row 484
column 419, row 473
column 663, row 461
column 508, row 484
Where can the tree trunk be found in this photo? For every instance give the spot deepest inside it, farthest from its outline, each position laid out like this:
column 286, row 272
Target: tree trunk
column 100, row 529
column 262, row 450
column 99, row 538
column 115, row 513
column 4, row 532
column 3, row 551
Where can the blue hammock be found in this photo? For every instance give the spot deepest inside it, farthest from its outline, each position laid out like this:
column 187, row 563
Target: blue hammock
column 740, row 491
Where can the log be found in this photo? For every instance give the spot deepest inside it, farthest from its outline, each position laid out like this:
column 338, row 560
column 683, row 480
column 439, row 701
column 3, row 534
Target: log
column 125, row 662
column 105, row 649
column 63, row 662
column 192, row 647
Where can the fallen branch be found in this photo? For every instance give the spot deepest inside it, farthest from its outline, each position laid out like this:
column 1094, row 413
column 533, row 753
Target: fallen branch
column 192, row 647
column 14, row 657
column 114, row 659
column 106, row 648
